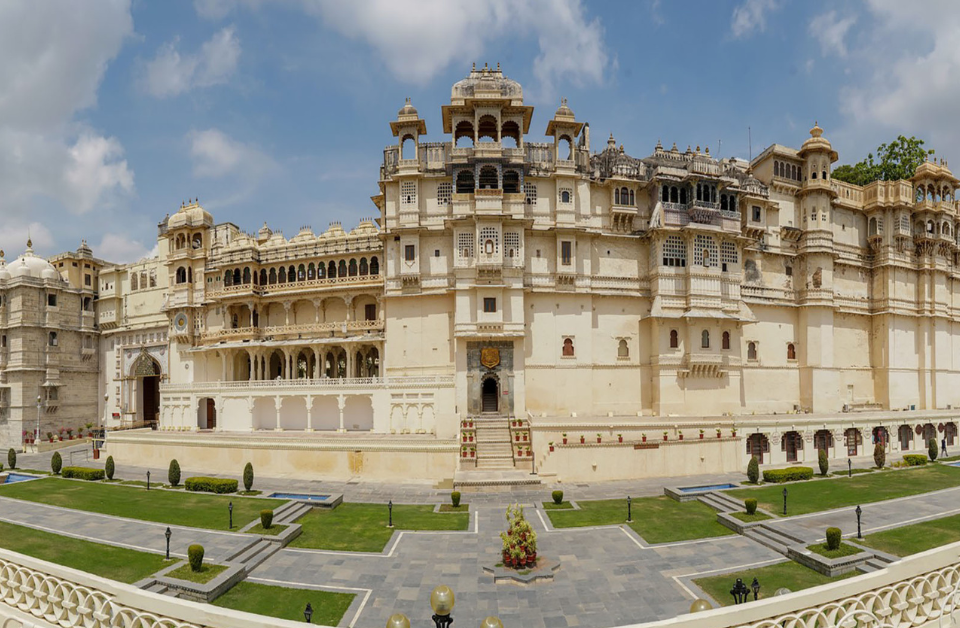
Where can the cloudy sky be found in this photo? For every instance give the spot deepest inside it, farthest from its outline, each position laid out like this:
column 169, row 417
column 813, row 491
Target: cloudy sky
column 112, row 112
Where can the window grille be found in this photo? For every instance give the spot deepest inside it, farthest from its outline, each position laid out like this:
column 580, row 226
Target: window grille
column 511, row 241
column 674, row 251
column 566, row 195
column 465, row 245
column 408, row 192
column 728, row 253
column 530, row 190
column 490, row 233
column 704, row 251
column 444, row 192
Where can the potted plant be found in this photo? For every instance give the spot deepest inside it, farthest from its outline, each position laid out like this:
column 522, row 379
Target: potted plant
column 599, row 438
column 464, row 437
column 718, row 432
column 516, row 436
column 471, row 437
column 473, row 452
column 470, row 423
column 50, row 436
column 464, row 453
column 643, row 438
column 680, row 434
column 619, row 438
column 519, row 452
column 582, row 439
column 734, row 432
column 529, row 451
column 526, row 436
column 551, row 445
column 564, row 438
column 62, row 432
column 664, row 434
column 701, row 434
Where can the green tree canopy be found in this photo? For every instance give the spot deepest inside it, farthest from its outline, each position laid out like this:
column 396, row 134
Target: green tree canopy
column 894, row 161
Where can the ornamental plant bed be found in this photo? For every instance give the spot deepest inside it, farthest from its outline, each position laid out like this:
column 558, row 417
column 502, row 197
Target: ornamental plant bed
column 519, row 542
column 790, row 474
column 843, row 550
column 83, row 473
column 206, row 574
column 211, row 485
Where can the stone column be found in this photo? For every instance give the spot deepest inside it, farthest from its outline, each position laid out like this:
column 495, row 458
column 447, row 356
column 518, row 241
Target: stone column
column 277, row 404
column 219, row 403
column 317, row 304
column 286, row 312
column 317, row 362
column 251, row 306
column 341, row 404
column 309, row 413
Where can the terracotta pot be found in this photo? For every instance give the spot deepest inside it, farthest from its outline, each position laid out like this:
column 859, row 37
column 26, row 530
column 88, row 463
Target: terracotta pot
column 464, row 438
column 529, row 453
column 564, row 440
column 664, row 437
column 525, row 438
column 701, row 437
column 582, row 440
column 471, row 439
column 681, row 437
column 643, row 439
column 619, row 439
column 551, row 447
column 472, row 454
column 516, row 437
column 598, row 439
column 718, row 434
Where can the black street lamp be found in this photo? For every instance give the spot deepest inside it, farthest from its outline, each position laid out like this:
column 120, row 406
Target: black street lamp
column 168, row 534
column 849, row 468
column 148, row 480
column 390, row 513
column 784, row 501
column 308, row 612
column 859, row 512
column 739, row 592
column 629, row 513
column 755, row 585
column 230, row 508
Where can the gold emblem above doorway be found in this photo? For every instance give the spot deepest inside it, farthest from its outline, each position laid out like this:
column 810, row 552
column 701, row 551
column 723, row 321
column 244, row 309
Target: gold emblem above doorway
column 490, row 357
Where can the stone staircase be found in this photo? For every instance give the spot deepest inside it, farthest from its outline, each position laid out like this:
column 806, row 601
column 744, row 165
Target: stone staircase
column 878, row 562
column 777, row 538
column 162, row 589
column 290, row 512
column 494, row 450
column 721, row 502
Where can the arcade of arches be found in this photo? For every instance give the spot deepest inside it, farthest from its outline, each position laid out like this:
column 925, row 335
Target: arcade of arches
column 315, row 361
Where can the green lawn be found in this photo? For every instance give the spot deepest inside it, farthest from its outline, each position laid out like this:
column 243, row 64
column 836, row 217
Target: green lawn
column 772, row 577
column 915, row 538
column 817, row 495
column 843, row 550
column 196, row 510
column 116, row 563
column 363, row 527
column 205, row 575
column 656, row 519
column 273, row 530
column 286, row 603
column 564, row 505
column 757, row 516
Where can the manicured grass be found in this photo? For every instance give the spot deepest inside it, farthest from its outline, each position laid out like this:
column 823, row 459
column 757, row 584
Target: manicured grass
column 205, row 575
column 772, row 577
column 186, row 509
column 757, row 516
column 854, row 471
column 451, row 508
column 564, row 505
column 116, row 563
column 273, row 530
column 363, row 527
column 843, row 550
column 915, row 538
column 656, row 519
column 817, row 495
column 286, row 603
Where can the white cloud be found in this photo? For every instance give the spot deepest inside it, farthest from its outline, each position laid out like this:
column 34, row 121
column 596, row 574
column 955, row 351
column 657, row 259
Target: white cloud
column 215, row 154
column 171, row 73
column 750, row 16
column 120, row 249
column 571, row 45
column 52, row 59
column 219, row 9
column 14, row 236
column 831, row 31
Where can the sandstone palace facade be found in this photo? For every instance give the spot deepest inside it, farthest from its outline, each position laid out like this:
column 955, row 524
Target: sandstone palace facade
column 701, row 310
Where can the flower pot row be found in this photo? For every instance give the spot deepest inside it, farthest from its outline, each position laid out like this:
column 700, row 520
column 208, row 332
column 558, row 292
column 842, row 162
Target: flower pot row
column 528, row 560
column 468, row 452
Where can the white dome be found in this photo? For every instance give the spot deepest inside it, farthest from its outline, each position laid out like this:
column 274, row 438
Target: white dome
column 50, row 273
column 29, row 265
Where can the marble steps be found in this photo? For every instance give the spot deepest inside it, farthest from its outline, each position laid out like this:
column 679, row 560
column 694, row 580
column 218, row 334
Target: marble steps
column 290, row 515
column 721, row 502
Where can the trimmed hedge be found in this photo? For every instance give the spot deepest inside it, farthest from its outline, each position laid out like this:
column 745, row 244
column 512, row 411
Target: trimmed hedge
column 109, row 468
column 790, row 474
column 211, row 485
column 455, row 498
column 879, row 455
column 195, row 556
column 266, row 519
column 56, row 463
column 753, row 470
column 751, row 505
column 248, row 477
column 823, row 462
column 833, row 538
column 557, row 497
column 932, row 449
column 12, row 458
column 915, row 460
column 173, row 473
column 83, row 473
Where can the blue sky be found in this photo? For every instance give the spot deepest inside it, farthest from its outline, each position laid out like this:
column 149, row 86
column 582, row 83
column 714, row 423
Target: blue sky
column 112, row 112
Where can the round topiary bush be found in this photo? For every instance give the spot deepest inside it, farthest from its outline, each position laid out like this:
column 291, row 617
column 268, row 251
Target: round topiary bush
column 932, row 450
column 109, row 467
column 753, row 470
column 266, row 519
column 12, row 458
column 751, row 505
column 195, row 556
column 557, row 497
column 823, row 461
column 248, row 477
column 56, row 463
column 833, row 538
column 173, row 473
column 455, row 498
column 879, row 455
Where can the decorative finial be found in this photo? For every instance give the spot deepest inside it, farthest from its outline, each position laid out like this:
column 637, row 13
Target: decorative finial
column 708, row 149
column 498, row 66
column 1, row 254
column 408, row 100
column 474, row 67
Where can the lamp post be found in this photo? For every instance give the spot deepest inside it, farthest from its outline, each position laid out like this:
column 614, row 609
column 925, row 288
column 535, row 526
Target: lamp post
column 849, row 468
column 398, row 620
column 148, row 480
column 230, row 508
column 784, row 501
column 39, row 401
column 168, row 534
column 442, row 600
column 308, row 612
column 739, row 592
column 390, row 513
column 859, row 512
column 629, row 513
column 755, row 585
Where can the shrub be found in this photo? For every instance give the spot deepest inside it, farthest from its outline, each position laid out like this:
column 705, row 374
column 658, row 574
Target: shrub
column 932, row 450
column 248, row 477
column 833, row 538
column 557, row 497
column 823, row 461
column 195, row 556
column 56, row 463
column 173, row 473
column 211, row 485
column 790, row 474
column 751, row 505
column 266, row 519
column 455, row 498
column 12, row 458
column 879, row 455
column 753, row 470
column 915, row 460
column 83, row 473
column 109, row 468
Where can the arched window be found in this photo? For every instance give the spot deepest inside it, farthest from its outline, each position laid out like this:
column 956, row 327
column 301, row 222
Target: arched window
column 465, row 182
column 616, row 196
column 567, row 347
column 321, row 271
column 342, row 268
column 464, row 130
column 227, row 278
column 283, row 275
column 197, row 241
column 133, row 282
column 291, row 274
column 705, row 339
column 813, row 174
column 353, row 268
column 364, row 269
column 623, row 351
column 664, row 194
column 408, row 147
column 633, row 200
column 511, row 182
column 489, row 178
column 246, row 275
column 301, row 273
column 565, row 196
column 510, row 130
column 311, row 271
column 723, row 202
column 182, row 275
column 263, row 276
column 674, row 195
column 332, row 269
column 273, row 276
column 791, row 352
column 237, row 280
column 487, row 128
column 725, row 341
column 751, row 351
column 53, row 339
column 190, row 275
column 674, row 339
column 565, row 148
column 374, row 266
column 683, row 196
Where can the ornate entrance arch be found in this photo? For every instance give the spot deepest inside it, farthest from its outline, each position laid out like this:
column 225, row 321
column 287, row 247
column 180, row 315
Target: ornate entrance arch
column 490, row 394
column 146, row 372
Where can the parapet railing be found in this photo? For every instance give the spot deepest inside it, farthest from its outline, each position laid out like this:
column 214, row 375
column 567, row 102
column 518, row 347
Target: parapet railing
column 325, row 382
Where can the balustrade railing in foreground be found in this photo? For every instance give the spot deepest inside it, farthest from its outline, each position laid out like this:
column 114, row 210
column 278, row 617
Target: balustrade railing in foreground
column 919, row 591
column 39, row 594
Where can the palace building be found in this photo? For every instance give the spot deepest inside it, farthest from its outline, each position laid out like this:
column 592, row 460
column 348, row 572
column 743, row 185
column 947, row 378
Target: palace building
column 676, row 313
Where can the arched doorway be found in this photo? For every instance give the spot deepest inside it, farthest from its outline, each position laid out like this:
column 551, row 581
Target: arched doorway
column 905, row 435
column 146, row 370
column 490, row 395
column 207, row 414
column 823, row 439
column 853, row 440
column 880, row 435
column 791, row 443
column 757, row 445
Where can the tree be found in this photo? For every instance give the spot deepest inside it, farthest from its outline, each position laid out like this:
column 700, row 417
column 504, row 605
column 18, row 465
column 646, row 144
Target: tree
column 109, row 468
column 753, row 470
column 248, row 477
column 173, row 473
column 12, row 458
column 932, row 449
column 823, row 461
column 894, row 161
column 879, row 455
column 56, row 463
